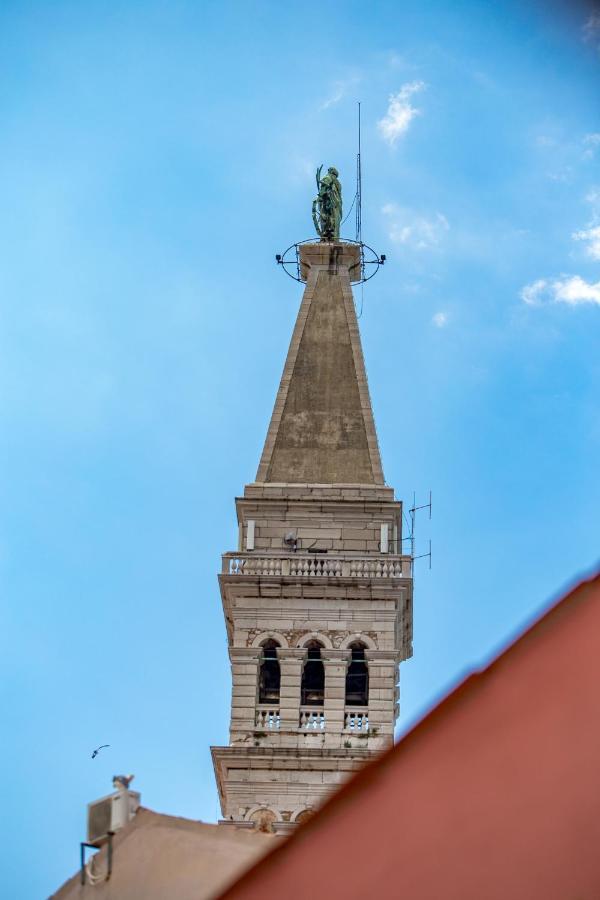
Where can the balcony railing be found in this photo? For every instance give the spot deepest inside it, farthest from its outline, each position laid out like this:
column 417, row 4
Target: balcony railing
column 356, row 720
column 267, row 718
column 321, row 565
column 312, row 718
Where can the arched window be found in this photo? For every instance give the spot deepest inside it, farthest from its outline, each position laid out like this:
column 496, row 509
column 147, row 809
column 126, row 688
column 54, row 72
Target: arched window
column 313, row 677
column 357, row 677
column 263, row 820
column 269, row 677
column 304, row 816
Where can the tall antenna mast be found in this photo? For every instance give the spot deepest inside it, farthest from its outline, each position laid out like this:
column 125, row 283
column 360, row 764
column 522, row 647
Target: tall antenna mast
column 370, row 261
column 358, row 187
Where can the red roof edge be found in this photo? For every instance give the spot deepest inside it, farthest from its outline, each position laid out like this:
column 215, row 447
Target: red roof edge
column 548, row 618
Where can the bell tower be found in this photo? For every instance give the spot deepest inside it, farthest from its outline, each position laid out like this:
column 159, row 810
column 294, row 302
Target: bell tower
column 318, row 595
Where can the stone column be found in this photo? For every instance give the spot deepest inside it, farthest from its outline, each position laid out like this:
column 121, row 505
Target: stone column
column 244, row 670
column 383, row 675
column 336, row 665
column 291, row 662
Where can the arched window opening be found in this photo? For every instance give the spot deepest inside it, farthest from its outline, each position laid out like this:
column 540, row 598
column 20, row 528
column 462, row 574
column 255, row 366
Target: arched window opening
column 313, row 677
column 357, row 677
column 263, row 820
column 304, row 816
column 269, row 678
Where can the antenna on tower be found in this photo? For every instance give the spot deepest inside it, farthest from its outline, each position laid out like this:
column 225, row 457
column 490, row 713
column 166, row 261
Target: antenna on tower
column 290, row 260
column 411, row 537
column 358, row 186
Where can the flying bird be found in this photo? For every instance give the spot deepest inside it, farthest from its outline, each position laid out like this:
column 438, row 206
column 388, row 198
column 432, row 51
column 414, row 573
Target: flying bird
column 98, row 749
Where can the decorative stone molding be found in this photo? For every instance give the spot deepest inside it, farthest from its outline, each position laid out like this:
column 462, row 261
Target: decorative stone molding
column 301, row 811
column 244, row 654
column 355, row 637
column 291, row 653
column 263, row 807
column 315, row 636
column 263, row 636
column 336, row 656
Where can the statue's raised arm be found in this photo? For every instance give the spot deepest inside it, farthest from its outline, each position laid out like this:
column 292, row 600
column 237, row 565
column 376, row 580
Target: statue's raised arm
column 327, row 205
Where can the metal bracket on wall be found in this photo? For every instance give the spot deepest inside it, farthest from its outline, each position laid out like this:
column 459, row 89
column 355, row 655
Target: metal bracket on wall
column 109, row 856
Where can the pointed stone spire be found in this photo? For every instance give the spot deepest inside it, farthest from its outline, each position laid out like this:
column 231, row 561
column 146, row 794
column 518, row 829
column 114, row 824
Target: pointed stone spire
column 322, row 429
column 318, row 588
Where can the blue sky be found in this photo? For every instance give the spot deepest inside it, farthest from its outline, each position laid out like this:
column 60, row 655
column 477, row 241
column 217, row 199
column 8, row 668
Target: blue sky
column 154, row 157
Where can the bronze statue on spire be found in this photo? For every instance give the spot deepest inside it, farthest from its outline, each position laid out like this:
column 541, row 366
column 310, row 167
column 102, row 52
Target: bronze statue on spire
column 327, row 205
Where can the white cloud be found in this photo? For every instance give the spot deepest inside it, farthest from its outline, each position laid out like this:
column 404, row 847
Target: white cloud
column 339, row 89
column 575, row 290
column 412, row 230
column 400, row 112
column 592, row 237
column 532, row 293
column 440, row 319
column 593, row 198
column 591, row 142
column 563, row 175
column 570, row 289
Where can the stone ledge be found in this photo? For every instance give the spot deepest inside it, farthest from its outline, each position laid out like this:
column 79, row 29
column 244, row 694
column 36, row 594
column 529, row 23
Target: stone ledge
column 333, row 256
column 303, row 491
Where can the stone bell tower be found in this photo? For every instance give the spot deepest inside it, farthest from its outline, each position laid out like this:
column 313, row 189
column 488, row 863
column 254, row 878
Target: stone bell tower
column 318, row 596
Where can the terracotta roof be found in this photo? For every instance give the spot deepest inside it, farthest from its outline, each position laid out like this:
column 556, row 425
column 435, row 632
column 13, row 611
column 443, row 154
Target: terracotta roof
column 494, row 794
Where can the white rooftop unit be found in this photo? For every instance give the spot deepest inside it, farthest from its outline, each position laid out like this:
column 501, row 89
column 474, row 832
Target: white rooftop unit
column 109, row 814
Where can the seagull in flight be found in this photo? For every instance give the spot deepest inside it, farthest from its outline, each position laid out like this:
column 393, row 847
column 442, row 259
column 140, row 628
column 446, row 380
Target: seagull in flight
column 98, row 749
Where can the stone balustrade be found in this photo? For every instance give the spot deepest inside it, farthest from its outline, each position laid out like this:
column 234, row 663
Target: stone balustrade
column 356, row 720
column 312, row 718
column 317, row 565
column 267, row 718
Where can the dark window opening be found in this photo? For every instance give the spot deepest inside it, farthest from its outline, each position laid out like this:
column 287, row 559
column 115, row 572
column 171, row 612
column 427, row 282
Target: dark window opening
column 313, row 677
column 357, row 678
column 269, row 678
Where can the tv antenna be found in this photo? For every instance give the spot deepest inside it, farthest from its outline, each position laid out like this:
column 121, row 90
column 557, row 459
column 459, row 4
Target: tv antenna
column 358, row 187
column 412, row 534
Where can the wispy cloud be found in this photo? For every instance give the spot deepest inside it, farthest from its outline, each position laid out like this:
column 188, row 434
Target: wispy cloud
column 400, row 112
column 572, row 290
column 592, row 237
column 591, row 28
column 440, row 319
column 591, row 143
column 396, row 60
column 545, row 140
column 412, row 230
column 563, row 155
column 339, row 90
column 593, row 198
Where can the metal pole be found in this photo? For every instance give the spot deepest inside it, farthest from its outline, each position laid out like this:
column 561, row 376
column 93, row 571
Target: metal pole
column 358, row 186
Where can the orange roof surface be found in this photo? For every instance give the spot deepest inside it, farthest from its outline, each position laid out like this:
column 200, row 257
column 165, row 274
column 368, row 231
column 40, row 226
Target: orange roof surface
column 494, row 794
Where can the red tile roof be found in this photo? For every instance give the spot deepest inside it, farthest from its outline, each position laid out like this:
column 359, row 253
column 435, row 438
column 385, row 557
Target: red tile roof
column 494, row 794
